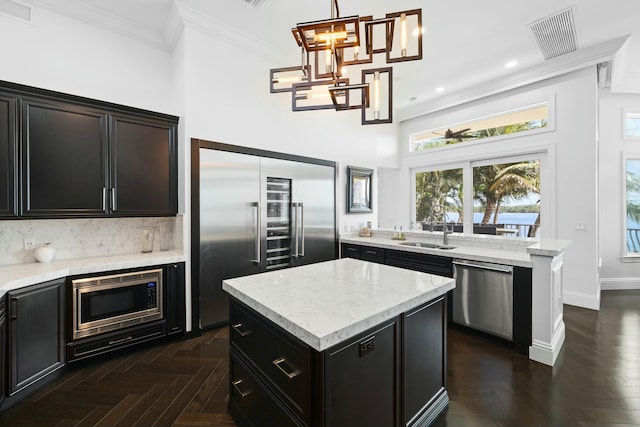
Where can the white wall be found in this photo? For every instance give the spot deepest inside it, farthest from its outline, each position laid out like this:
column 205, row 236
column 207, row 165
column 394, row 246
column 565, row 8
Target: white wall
column 232, row 104
column 220, row 93
column 615, row 274
column 570, row 192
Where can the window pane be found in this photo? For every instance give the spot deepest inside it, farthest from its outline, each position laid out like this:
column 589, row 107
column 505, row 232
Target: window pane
column 633, row 205
column 502, row 124
column 507, row 199
column 632, row 124
column 438, row 195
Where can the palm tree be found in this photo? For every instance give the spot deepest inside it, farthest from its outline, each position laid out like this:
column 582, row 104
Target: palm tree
column 495, row 183
column 442, row 188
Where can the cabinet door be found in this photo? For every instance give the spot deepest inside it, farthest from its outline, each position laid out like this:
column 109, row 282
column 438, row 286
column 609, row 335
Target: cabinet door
column 63, row 160
column 361, row 381
column 174, row 302
column 424, row 368
column 3, row 350
column 36, row 335
column 8, row 157
column 143, row 166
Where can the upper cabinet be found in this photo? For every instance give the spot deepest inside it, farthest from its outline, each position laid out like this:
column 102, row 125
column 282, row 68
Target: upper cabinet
column 8, row 156
column 143, row 166
column 64, row 159
column 84, row 158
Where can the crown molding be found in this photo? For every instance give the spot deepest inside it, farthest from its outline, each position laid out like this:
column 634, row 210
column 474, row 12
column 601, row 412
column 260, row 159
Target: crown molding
column 564, row 64
column 80, row 11
column 219, row 30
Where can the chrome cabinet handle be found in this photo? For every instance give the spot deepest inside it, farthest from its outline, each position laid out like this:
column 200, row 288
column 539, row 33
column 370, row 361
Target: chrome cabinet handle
column 237, row 327
column 113, row 199
column 236, row 385
column 104, row 199
column 292, row 373
column 129, row 338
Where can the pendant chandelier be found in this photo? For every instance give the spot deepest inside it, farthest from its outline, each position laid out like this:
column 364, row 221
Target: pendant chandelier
column 331, row 48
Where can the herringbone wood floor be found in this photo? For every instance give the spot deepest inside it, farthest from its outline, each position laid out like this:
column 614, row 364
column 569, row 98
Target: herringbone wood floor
column 596, row 381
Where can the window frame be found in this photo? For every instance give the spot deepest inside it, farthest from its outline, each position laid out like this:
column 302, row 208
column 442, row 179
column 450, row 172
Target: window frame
column 625, row 113
column 626, row 255
column 496, row 109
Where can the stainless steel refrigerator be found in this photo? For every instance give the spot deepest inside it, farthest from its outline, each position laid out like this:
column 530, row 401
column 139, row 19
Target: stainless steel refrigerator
column 260, row 213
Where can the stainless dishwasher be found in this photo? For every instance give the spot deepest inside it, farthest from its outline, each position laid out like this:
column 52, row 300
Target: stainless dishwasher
column 483, row 297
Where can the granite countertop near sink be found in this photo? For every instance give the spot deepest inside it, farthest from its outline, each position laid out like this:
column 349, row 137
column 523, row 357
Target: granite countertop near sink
column 329, row 302
column 504, row 251
column 20, row 275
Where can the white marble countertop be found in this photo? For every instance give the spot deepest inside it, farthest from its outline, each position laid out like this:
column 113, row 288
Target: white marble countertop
column 485, row 253
column 21, row 275
column 327, row 303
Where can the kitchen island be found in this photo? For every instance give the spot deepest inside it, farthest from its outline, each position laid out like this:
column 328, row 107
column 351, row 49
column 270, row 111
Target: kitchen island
column 338, row 343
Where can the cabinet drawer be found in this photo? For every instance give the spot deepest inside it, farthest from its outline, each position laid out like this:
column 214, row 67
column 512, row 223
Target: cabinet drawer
column 108, row 342
column 284, row 362
column 350, row 251
column 369, row 253
column 253, row 404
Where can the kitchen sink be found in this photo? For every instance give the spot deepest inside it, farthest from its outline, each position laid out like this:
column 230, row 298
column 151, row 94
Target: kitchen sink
column 427, row 245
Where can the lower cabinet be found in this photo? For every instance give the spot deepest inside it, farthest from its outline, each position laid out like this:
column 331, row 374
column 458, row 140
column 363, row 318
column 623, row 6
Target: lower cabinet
column 389, row 376
column 3, row 349
column 174, row 300
column 36, row 333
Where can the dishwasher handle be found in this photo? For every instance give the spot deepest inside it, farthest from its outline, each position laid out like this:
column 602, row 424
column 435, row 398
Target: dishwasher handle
column 506, row 269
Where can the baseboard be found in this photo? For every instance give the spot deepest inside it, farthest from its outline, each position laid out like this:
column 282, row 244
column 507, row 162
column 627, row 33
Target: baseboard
column 620, row 283
column 581, row 300
column 547, row 353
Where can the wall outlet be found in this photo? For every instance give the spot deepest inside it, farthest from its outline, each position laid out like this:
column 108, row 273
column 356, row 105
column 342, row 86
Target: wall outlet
column 29, row 244
column 581, row 226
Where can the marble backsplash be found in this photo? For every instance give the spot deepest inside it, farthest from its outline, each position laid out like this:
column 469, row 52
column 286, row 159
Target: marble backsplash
column 78, row 238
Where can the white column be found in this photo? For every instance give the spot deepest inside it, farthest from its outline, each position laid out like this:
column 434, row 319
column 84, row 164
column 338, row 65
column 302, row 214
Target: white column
column 547, row 326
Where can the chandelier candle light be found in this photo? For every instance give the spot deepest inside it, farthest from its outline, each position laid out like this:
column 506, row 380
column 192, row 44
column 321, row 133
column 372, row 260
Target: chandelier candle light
column 329, row 46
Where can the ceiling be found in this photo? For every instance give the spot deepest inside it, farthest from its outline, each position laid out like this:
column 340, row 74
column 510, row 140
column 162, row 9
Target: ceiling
column 466, row 42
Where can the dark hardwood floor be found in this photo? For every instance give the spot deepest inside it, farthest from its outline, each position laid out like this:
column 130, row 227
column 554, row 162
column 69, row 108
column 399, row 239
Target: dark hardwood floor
column 596, row 381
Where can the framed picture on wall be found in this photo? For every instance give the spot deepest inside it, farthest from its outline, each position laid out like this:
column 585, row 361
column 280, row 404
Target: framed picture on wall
column 359, row 190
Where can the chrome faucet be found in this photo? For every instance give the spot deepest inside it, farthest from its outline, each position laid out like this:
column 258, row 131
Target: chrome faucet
column 445, row 229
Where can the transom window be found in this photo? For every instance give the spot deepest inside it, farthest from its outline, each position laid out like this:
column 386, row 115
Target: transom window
column 521, row 120
column 631, row 125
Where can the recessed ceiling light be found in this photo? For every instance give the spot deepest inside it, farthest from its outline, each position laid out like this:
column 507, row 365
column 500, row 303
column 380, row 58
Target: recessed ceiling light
column 511, row 64
column 440, row 89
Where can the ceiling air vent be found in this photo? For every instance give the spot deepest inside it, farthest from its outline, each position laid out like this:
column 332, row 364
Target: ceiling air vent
column 15, row 10
column 253, row 2
column 556, row 34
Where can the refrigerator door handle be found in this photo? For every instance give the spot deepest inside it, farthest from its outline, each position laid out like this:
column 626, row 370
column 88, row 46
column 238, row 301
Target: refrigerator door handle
column 256, row 260
column 294, row 229
column 301, row 228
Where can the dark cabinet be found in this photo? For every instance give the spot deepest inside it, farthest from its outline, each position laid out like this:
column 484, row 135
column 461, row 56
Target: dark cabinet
column 391, row 375
column 361, row 389
column 3, row 349
column 174, row 301
column 143, row 166
column 426, row 263
column 36, row 334
column 8, row 157
column 424, row 360
column 365, row 253
column 65, row 156
column 64, row 160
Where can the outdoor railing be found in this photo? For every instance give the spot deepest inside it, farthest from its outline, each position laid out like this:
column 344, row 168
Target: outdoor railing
column 507, row 230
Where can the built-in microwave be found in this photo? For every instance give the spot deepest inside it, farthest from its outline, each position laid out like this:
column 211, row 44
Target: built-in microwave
column 108, row 303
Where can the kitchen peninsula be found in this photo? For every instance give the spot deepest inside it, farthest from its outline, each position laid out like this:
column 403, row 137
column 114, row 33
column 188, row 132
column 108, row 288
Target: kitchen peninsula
column 337, row 343
column 537, row 264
